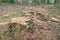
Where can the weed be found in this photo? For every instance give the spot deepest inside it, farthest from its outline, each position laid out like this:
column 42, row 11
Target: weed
column 18, row 14
column 31, row 26
column 13, row 30
column 49, row 15
column 57, row 31
column 5, row 33
column 5, row 18
column 0, row 37
column 57, row 9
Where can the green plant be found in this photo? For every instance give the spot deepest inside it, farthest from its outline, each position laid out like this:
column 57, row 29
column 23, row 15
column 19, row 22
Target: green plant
column 18, row 14
column 15, row 27
column 57, row 9
column 56, row 31
column 0, row 37
column 5, row 18
column 49, row 15
column 5, row 32
column 30, row 24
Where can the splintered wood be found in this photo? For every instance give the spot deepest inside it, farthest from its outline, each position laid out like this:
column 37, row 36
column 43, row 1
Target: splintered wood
column 21, row 20
column 41, row 24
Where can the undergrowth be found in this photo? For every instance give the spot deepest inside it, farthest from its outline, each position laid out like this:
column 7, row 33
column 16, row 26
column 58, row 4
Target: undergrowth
column 57, row 9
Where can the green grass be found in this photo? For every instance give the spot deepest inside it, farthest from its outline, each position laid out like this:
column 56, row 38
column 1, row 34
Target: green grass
column 18, row 14
column 5, row 18
column 5, row 33
column 31, row 26
column 56, row 29
column 57, row 9
column 14, row 29
column 57, row 32
column 13, row 15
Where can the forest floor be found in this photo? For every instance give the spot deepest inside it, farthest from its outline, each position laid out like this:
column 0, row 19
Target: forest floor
column 43, row 23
